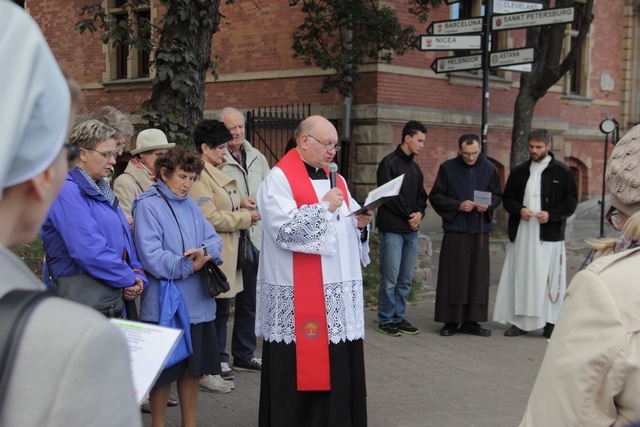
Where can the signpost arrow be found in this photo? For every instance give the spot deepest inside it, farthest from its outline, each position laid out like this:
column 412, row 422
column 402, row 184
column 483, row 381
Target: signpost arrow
column 504, row 6
column 503, row 58
column 536, row 18
column 452, row 1
column 455, row 26
column 428, row 42
column 457, row 63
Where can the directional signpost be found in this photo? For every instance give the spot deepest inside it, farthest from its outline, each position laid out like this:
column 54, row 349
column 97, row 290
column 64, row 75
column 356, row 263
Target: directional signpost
column 504, row 6
column 504, row 58
column 512, row 21
column 457, row 63
column 450, row 42
column 459, row 35
column 455, row 26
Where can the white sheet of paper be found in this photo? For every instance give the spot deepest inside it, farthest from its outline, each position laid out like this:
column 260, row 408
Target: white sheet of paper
column 149, row 347
column 379, row 195
column 482, row 198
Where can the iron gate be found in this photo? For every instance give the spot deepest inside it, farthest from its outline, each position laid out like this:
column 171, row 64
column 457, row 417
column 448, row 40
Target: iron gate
column 269, row 129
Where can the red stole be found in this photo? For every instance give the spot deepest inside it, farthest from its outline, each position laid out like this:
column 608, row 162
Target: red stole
column 310, row 314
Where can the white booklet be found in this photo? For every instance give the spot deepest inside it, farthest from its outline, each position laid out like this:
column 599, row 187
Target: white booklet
column 379, row 195
column 149, row 348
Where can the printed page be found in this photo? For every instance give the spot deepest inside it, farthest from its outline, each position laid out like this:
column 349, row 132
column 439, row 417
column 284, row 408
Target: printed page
column 149, row 348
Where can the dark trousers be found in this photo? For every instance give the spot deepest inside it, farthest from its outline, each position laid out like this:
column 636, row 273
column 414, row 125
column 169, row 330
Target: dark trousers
column 243, row 339
column 222, row 318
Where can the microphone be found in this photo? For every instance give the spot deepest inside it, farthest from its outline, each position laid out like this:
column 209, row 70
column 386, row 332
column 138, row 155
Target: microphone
column 333, row 169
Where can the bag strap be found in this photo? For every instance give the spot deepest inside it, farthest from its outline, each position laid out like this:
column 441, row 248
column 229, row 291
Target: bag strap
column 174, row 216
column 136, row 181
column 15, row 308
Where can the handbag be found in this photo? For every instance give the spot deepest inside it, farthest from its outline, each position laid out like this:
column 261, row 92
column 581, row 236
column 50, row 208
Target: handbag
column 174, row 314
column 90, row 291
column 247, row 251
column 215, row 278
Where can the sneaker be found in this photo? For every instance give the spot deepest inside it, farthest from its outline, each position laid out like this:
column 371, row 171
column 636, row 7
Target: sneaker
column 405, row 327
column 145, row 406
column 227, row 372
column 253, row 365
column 389, row 329
column 215, row 384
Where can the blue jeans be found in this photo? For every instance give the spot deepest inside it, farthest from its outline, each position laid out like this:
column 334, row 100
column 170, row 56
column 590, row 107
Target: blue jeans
column 398, row 252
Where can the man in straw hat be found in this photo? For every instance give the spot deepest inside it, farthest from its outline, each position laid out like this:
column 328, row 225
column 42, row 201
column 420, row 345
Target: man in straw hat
column 71, row 367
column 140, row 172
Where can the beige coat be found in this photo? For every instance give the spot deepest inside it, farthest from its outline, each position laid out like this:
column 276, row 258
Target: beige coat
column 219, row 199
column 133, row 182
column 590, row 375
column 248, row 181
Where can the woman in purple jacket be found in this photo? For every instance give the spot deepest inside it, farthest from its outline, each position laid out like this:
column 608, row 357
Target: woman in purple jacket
column 85, row 230
column 175, row 240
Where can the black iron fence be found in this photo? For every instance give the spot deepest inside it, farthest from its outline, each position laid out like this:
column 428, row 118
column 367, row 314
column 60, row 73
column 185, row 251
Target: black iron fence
column 269, row 129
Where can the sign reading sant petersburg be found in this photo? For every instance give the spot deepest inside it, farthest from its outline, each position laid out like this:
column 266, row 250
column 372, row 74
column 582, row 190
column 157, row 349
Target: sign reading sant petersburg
column 536, row 18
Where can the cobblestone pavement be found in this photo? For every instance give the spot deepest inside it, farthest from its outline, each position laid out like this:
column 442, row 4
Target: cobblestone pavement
column 422, row 380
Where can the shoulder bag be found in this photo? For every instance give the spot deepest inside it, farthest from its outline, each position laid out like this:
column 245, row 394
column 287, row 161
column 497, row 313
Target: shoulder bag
column 87, row 290
column 215, row 279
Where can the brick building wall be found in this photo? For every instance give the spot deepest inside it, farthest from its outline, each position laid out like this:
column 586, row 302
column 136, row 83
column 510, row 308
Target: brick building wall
column 257, row 69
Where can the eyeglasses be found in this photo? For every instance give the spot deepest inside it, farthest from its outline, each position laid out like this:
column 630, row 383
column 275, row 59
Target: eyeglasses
column 468, row 155
column 120, row 146
column 327, row 147
column 72, row 155
column 613, row 218
column 107, row 155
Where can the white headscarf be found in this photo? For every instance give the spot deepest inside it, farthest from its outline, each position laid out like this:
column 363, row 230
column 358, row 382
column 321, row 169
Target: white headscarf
column 34, row 99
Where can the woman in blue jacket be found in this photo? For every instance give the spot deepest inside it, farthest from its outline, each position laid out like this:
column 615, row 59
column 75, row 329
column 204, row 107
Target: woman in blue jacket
column 85, row 231
column 175, row 240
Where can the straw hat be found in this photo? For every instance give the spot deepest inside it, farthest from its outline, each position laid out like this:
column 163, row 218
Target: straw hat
column 151, row 139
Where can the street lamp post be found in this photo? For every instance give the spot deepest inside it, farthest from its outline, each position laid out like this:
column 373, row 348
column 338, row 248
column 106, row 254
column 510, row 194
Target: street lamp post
column 608, row 127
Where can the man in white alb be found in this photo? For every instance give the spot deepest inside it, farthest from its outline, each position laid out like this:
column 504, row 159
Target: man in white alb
column 539, row 196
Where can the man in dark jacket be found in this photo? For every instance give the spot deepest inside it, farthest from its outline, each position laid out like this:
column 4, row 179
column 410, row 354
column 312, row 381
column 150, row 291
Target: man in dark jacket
column 398, row 222
column 462, row 297
column 539, row 196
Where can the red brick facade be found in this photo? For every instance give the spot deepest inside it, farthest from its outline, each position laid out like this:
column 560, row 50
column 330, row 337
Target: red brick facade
column 257, row 70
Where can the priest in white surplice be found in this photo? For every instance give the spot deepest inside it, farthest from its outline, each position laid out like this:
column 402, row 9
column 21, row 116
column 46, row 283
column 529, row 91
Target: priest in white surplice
column 539, row 196
column 309, row 295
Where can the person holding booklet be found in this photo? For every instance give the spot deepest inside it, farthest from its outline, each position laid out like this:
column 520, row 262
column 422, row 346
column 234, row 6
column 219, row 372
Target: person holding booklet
column 398, row 221
column 309, row 299
column 173, row 236
column 465, row 194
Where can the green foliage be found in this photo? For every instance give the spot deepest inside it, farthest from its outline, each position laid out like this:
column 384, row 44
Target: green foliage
column 182, row 43
column 32, row 254
column 324, row 38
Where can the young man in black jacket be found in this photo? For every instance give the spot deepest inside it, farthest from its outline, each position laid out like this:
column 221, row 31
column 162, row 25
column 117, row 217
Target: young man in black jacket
column 398, row 222
column 540, row 195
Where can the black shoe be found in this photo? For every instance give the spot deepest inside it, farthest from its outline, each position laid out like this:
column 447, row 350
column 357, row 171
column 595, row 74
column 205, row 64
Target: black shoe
column 253, row 365
column 473, row 328
column 548, row 330
column 449, row 329
column 405, row 327
column 389, row 329
column 514, row 331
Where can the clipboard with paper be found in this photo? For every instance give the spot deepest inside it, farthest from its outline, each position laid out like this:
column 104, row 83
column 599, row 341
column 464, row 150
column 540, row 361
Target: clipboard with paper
column 380, row 195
